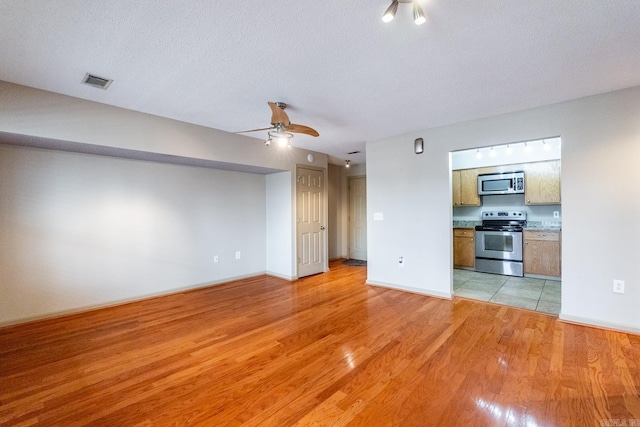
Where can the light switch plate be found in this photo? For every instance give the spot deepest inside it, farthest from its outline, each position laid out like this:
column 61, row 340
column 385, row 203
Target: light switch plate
column 618, row 286
column 378, row 216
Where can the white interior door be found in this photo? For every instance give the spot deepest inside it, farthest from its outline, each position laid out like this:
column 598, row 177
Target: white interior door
column 310, row 221
column 358, row 218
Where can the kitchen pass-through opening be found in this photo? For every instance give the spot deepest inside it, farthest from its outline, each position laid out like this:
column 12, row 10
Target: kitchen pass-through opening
column 507, row 224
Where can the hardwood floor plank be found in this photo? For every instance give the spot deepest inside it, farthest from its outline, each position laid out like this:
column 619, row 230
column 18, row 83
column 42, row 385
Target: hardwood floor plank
column 323, row 350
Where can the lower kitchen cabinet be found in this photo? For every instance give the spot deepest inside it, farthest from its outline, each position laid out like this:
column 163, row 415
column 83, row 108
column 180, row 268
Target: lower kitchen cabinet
column 542, row 253
column 464, row 250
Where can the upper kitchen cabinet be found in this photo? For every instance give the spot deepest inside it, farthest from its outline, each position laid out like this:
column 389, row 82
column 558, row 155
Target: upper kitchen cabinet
column 542, row 183
column 465, row 187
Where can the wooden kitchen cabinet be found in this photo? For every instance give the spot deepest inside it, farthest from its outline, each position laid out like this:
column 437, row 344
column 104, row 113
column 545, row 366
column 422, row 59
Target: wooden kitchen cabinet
column 542, row 253
column 542, row 183
column 464, row 184
column 455, row 187
column 464, row 249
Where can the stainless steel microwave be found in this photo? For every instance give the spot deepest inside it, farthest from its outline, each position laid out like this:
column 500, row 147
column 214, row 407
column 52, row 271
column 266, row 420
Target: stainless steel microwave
column 501, row 183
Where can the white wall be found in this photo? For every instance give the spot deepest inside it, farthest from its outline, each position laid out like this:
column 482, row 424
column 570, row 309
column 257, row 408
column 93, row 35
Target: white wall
column 600, row 202
column 279, row 225
column 38, row 113
column 39, row 118
column 81, row 230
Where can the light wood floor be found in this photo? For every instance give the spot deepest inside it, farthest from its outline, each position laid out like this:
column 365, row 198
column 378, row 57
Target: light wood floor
column 325, row 350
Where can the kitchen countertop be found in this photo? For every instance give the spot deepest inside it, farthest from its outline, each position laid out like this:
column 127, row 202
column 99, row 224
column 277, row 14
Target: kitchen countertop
column 465, row 224
column 543, row 226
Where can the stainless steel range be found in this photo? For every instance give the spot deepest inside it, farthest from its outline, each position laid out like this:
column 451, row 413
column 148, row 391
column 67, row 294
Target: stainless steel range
column 499, row 242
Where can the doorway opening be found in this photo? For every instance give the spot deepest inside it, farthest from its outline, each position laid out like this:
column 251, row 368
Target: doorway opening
column 357, row 187
column 484, row 261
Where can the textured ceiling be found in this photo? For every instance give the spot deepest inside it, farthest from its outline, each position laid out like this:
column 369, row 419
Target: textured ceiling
column 339, row 67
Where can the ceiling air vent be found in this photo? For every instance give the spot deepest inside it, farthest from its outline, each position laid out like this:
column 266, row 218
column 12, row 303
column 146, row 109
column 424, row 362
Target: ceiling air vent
column 95, row 81
column 354, row 152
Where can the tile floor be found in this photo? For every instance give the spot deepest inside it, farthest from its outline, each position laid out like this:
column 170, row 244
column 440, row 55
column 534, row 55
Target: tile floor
column 524, row 292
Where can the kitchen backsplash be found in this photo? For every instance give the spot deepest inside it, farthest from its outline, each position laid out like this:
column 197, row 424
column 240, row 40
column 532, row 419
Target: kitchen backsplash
column 537, row 216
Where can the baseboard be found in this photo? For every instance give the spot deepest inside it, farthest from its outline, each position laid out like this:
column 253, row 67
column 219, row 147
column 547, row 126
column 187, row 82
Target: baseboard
column 282, row 276
column 86, row 308
column 543, row 277
column 586, row 321
column 410, row 289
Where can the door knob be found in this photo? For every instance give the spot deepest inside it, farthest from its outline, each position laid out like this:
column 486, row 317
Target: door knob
column 322, row 227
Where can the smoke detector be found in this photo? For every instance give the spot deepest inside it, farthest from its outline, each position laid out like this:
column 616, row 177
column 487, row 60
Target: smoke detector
column 96, row 81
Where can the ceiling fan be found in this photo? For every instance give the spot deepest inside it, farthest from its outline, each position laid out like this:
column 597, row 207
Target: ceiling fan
column 282, row 130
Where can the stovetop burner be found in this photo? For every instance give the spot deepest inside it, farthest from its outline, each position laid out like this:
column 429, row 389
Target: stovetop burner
column 502, row 221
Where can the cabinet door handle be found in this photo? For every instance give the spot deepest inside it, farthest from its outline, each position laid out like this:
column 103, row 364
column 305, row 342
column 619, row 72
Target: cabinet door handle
column 526, row 242
column 472, row 240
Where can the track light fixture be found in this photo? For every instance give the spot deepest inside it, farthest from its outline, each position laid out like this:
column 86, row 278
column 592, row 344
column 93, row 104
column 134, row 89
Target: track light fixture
column 390, row 13
column 418, row 13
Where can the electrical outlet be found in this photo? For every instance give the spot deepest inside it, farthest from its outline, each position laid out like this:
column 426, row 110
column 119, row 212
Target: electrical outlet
column 556, row 214
column 237, row 254
column 618, row 286
column 215, row 258
column 401, row 261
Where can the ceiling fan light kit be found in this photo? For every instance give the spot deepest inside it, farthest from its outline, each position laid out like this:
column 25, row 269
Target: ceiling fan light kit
column 280, row 137
column 282, row 130
column 418, row 13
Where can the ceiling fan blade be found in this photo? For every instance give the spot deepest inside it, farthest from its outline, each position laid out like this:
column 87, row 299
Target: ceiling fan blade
column 302, row 129
column 254, row 130
column 278, row 115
